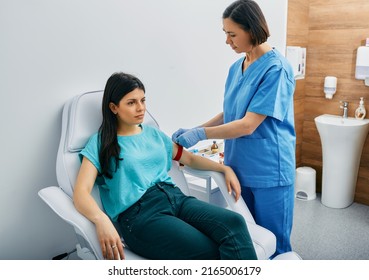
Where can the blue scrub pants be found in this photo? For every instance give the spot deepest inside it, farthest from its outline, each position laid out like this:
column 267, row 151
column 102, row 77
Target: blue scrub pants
column 272, row 208
column 166, row 224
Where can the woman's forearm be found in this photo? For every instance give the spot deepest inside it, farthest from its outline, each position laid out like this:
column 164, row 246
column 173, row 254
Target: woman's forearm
column 82, row 198
column 87, row 206
column 201, row 163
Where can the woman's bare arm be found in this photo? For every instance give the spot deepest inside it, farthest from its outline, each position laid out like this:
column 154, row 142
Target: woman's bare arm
column 110, row 242
column 202, row 163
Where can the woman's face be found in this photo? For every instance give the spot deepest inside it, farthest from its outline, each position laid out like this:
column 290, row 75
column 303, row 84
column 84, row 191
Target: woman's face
column 131, row 108
column 236, row 37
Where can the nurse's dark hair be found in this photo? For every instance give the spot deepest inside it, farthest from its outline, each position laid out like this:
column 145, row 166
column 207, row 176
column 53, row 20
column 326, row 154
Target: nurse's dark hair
column 117, row 86
column 250, row 17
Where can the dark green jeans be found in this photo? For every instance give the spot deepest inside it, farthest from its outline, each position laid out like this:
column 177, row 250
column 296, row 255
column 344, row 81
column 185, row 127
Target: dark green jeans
column 166, row 224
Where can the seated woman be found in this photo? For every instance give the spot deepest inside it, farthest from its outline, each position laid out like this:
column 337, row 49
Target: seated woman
column 156, row 219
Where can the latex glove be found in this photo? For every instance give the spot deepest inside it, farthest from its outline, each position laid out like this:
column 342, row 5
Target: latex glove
column 178, row 133
column 191, row 137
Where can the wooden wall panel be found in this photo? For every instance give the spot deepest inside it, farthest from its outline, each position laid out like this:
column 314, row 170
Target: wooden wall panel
column 297, row 35
column 339, row 14
column 297, row 23
column 332, row 30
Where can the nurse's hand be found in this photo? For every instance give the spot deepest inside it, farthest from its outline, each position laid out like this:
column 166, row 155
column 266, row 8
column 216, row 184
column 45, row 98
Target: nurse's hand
column 191, row 137
column 178, row 133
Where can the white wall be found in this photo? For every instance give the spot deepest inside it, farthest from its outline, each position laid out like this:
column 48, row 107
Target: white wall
column 53, row 50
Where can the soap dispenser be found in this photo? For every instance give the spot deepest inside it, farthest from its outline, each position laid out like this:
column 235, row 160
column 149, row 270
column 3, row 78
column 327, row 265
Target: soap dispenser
column 362, row 62
column 360, row 112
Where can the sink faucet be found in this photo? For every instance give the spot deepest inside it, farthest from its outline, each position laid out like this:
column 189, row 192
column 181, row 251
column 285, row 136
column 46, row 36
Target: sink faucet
column 344, row 106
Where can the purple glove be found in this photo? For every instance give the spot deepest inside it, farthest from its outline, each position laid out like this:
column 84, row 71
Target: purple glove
column 191, row 137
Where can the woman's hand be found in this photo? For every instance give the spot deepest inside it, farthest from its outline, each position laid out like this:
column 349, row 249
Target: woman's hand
column 232, row 182
column 110, row 242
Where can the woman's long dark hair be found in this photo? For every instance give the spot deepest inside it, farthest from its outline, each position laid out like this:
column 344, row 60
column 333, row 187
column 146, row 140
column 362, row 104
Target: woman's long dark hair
column 249, row 16
column 117, row 86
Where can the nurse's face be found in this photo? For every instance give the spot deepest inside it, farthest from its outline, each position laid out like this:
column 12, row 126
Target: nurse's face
column 238, row 39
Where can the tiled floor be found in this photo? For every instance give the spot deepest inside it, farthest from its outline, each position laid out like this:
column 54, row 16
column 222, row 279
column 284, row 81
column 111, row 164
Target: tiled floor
column 322, row 233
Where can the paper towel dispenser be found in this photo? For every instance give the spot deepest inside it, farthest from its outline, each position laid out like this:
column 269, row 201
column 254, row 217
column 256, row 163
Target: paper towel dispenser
column 297, row 57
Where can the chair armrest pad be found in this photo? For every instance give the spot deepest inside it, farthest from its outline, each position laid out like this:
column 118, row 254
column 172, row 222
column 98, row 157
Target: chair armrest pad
column 63, row 206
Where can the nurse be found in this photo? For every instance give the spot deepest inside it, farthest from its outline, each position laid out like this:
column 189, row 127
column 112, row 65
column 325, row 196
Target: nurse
column 257, row 122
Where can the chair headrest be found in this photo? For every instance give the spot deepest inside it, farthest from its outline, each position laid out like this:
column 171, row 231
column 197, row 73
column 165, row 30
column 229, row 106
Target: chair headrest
column 85, row 118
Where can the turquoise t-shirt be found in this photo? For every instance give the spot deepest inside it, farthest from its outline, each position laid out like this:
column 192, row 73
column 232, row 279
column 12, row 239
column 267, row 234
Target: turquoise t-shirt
column 147, row 158
column 266, row 158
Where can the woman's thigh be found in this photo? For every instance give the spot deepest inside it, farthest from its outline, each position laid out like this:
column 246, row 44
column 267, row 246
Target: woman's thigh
column 210, row 219
column 151, row 229
column 227, row 228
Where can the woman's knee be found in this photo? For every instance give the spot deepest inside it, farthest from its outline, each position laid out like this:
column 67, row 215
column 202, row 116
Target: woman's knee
column 236, row 221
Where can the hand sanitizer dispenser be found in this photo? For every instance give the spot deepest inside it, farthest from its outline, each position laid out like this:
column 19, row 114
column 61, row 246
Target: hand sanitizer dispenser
column 362, row 63
column 330, row 86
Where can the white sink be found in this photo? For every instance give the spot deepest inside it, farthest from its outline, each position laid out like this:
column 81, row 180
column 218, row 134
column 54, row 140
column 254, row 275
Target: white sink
column 342, row 143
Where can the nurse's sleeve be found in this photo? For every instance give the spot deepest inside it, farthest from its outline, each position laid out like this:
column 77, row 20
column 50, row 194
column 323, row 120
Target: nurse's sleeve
column 274, row 95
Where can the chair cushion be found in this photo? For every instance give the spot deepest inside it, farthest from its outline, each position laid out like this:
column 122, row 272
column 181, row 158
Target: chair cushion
column 84, row 120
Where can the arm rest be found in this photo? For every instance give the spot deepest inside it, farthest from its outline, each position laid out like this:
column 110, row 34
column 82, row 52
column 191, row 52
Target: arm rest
column 63, row 206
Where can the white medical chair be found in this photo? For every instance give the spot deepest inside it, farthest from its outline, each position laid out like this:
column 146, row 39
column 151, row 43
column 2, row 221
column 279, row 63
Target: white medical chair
column 81, row 118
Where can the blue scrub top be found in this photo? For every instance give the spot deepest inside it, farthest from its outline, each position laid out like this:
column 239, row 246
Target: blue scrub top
column 266, row 158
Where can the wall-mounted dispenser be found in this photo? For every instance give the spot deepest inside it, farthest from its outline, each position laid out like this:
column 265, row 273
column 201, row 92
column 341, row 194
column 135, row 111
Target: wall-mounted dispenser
column 297, row 57
column 330, row 86
column 362, row 63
